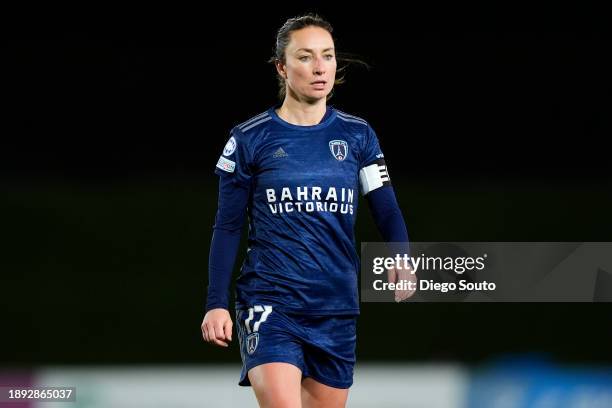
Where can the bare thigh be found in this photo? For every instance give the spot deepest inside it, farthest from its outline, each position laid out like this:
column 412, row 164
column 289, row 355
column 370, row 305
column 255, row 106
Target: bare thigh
column 276, row 385
column 317, row 395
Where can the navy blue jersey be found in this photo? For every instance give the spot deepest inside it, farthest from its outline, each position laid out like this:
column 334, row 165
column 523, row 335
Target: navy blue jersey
column 304, row 183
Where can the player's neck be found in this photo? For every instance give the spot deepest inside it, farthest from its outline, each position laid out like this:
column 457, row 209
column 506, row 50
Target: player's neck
column 302, row 114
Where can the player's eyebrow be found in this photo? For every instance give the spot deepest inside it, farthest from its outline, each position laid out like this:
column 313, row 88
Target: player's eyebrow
column 311, row 51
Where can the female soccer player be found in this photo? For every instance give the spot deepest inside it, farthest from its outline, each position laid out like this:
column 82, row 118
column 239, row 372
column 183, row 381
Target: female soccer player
column 295, row 170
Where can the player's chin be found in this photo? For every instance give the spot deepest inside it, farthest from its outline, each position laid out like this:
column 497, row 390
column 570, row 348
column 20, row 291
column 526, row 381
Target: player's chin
column 317, row 95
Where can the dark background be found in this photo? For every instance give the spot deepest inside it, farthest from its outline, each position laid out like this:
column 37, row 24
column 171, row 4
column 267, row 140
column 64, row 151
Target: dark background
column 494, row 124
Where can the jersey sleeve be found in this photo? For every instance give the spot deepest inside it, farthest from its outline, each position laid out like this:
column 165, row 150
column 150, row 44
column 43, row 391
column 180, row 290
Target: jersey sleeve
column 235, row 160
column 373, row 172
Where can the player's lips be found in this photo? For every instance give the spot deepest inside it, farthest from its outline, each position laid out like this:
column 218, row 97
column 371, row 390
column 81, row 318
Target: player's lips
column 319, row 84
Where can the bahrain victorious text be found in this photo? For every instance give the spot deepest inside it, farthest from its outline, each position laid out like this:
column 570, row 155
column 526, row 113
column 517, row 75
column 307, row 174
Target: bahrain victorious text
column 310, row 199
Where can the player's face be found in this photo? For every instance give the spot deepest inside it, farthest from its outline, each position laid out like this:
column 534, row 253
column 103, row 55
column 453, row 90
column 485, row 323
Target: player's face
column 310, row 63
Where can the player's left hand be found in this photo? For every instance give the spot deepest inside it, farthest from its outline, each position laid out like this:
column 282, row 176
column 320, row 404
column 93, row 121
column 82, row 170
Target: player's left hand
column 398, row 275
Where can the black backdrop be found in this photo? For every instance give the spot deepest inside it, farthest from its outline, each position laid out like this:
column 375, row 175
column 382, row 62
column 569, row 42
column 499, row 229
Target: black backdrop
column 493, row 123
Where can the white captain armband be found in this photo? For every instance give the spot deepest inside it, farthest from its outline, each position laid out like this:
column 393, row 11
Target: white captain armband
column 374, row 176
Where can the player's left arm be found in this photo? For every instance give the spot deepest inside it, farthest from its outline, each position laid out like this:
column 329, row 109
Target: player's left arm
column 375, row 184
column 390, row 222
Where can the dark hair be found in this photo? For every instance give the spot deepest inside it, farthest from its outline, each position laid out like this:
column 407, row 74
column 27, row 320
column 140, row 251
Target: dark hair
column 283, row 37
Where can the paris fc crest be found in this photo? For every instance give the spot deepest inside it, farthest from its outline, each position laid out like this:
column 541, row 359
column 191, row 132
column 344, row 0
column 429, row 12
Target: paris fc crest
column 339, row 148
column 252, row 341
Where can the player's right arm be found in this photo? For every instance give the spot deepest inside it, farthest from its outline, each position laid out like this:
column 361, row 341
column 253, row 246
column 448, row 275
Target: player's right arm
column 233, row 198
column 233, row 170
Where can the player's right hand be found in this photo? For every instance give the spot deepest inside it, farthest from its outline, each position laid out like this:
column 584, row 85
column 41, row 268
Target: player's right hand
column 217, row 327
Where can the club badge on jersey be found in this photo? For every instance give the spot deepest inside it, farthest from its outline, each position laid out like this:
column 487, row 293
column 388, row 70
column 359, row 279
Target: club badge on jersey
column 339, row 149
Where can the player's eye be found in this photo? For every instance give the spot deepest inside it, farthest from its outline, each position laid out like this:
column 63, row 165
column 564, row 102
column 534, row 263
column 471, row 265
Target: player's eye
column 304, row 58
column 329, row 57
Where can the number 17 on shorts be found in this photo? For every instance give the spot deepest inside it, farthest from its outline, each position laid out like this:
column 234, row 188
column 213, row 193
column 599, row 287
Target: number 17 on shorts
column 252, row 338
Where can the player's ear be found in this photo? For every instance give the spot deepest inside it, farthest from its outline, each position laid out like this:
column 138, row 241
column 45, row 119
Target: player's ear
column 280, row 68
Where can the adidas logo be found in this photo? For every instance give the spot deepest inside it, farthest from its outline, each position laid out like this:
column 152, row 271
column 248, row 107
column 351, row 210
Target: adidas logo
column 279, row 153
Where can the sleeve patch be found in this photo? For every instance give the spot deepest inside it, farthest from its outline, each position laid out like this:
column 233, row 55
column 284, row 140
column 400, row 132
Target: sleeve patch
column 230, row 147
column 374, row 176
column 226, row 165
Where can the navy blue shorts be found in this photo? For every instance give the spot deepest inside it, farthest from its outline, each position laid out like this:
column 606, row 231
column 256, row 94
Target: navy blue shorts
column 323, row 347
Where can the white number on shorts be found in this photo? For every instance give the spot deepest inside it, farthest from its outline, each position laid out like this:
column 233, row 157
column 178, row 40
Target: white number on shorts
column 266, row 309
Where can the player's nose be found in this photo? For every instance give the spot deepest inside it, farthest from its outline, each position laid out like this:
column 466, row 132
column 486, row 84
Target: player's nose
column 318, row 68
